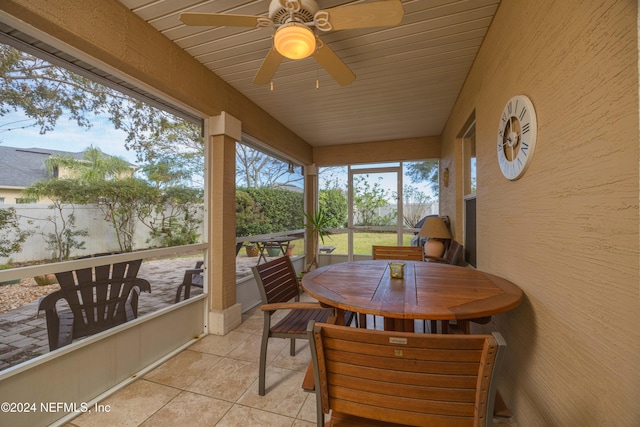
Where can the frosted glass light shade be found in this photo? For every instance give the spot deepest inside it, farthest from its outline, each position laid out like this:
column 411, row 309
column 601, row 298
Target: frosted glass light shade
column 294, row 41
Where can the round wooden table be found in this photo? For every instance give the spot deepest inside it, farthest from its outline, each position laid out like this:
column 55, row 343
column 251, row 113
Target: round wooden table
column 429, row 291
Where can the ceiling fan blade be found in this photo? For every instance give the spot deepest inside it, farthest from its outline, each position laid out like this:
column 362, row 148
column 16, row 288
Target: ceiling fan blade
column 219, row 20
column 377, row 14
column 268, row 67
column 334, row 65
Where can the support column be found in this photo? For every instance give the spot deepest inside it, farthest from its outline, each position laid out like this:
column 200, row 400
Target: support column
column 222, row 133
column 310, row 205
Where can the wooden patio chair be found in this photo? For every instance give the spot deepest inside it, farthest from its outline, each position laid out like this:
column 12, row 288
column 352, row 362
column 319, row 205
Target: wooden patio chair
column 401, row 253
column 192, row 277
column 384, row 379
column 278, row 286
column 452, row 256
column 97, row 298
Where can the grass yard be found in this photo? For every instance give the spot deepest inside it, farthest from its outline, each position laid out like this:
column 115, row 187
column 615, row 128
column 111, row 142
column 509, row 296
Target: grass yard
column 362, row 242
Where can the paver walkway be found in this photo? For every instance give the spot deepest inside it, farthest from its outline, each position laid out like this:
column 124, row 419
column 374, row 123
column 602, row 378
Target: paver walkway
column 23, row 333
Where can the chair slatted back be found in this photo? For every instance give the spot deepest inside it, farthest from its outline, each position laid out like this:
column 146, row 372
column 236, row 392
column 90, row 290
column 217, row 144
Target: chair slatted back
column 98, row 296
column 278, row 279
column 405, row 378
column 453, row 253
column 404, row 253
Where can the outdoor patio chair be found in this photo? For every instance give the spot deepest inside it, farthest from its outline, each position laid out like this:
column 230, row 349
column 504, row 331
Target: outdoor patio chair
column 402, row 253
column 278, row 286
column 452, row 256
column 96, row 299
column 192, row 277
column 384, row 378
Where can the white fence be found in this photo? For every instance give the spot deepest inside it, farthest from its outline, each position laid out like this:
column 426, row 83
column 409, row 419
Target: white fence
column 102, row 237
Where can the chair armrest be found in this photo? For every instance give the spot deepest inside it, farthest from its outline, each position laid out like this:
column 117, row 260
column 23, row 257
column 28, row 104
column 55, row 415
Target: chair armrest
column 294, row 306
column 141, row 285
column 194, row 271
column 48, row 302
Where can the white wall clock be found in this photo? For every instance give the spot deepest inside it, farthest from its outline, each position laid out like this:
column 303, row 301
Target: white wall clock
column 517, row 133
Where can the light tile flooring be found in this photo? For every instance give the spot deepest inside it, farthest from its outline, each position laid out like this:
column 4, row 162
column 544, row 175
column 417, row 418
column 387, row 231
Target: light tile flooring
column 215, row 383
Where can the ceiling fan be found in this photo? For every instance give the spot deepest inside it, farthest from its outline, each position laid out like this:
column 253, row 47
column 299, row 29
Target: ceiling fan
column 294, row 37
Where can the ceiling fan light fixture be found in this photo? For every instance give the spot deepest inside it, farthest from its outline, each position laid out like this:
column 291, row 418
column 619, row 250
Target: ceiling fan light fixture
column 294, row 41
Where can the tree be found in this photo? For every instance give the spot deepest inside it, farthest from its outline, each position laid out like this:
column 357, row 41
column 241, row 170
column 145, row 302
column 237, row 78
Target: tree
column 123, row 202
column 44, row 92
column 174, row 217
column 426, row 171
column 11, row 235
column 333, row 202
column 65, row 235
column 95, row 166
column 256, row 169
column 368, row 200
column 415, row 205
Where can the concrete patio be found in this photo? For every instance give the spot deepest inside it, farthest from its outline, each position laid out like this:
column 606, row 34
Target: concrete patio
column 23, row 333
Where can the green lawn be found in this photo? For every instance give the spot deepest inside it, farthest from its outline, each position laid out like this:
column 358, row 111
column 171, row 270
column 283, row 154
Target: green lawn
column 362, row 242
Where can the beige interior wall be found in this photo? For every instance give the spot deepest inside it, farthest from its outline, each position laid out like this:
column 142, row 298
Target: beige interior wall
column 567, row 231
column 382, row 151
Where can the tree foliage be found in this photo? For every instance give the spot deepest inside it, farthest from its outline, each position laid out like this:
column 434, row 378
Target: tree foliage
column 426, row 171
column 256, row 169
column 45, row 92
column 368, row 201
column 317, row 224
column 174, row 217
column 65, row 236
column 95, row 166
column 267, row 210
column 11, row 235
column 122, row 202
column 416, row 204
column 334, row 204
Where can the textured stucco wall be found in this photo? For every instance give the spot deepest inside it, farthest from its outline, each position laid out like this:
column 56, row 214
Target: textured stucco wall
column 566, row 232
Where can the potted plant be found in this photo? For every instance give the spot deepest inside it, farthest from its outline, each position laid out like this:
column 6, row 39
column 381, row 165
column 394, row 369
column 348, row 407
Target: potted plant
column 252, row 250
column 317, row 225
column 45, row 280
column 273, row 251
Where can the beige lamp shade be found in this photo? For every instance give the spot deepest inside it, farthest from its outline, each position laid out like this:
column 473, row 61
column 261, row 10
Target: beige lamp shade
column 434, row 229
column 294, row 41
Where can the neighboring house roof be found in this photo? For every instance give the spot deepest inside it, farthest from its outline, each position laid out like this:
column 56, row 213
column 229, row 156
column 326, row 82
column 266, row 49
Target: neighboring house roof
column 21, row 167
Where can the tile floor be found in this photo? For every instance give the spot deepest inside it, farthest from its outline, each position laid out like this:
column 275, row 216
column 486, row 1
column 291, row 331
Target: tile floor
column 214, row 382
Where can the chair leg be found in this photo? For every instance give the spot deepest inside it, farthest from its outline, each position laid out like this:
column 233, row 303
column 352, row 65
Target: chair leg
column 292, row 347
column 179, row 292
column 434, row 326
column 362, row 320
column 263, row 355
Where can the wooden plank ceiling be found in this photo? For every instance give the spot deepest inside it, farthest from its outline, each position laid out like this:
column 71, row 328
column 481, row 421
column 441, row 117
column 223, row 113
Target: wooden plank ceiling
column 408, row 77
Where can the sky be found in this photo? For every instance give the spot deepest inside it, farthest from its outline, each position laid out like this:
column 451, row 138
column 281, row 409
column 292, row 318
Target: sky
column 67, row 136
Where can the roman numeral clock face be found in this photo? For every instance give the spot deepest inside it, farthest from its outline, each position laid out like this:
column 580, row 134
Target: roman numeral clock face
column 517, row 134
